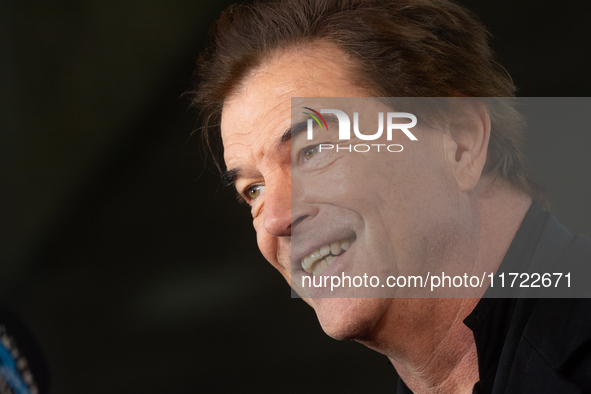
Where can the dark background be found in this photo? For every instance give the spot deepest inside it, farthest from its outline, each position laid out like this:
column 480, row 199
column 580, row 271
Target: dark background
column 134, row 269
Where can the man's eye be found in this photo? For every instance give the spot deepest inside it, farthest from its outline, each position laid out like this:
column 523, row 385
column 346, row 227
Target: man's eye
column 310, row 152
column 254, row 191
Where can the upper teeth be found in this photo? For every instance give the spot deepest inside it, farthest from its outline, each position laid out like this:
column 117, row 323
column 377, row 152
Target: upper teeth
column 320, row 259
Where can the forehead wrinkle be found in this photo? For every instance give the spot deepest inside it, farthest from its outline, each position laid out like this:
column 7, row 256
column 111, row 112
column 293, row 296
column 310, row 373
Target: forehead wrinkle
column 261, row 145
column 275, row 119
column 256, row 77
column 271, row 86
column 268, row 149
column 239, row 136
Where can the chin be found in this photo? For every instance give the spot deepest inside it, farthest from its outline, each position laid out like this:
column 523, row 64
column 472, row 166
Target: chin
column 349, row 318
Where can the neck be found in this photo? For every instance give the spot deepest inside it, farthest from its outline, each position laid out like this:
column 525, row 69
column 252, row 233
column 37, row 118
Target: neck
column 432, row 350
column 447, row 365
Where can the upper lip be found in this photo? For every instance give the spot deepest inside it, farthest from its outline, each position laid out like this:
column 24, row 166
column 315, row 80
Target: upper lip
column 304, row 247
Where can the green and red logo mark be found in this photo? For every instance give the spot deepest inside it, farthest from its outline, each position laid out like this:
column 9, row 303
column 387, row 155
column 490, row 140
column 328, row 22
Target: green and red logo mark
column 316, row 115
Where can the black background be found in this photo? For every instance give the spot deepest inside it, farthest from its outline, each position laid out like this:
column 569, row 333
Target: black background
column 134, row 269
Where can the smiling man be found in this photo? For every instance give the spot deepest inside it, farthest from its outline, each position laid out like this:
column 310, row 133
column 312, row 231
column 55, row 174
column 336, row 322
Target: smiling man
column 458, row 196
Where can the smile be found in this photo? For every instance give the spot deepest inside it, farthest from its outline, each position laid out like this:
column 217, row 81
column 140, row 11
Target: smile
column 319, row 260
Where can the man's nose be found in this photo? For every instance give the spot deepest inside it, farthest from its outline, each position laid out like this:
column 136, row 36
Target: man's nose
column 280, row 215
column 277, row 209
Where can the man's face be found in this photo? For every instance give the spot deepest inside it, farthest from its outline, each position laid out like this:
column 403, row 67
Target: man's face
column 394, row 209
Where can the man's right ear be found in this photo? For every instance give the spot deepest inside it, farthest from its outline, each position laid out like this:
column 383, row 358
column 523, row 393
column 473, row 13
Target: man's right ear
column 467, row 145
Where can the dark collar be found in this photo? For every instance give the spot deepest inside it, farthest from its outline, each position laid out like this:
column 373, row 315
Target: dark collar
column 491, row 318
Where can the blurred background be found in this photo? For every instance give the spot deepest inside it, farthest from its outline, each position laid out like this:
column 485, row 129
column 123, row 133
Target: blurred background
column 133, row 268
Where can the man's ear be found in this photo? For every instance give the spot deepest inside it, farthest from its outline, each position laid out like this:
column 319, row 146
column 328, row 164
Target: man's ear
column 468, row 147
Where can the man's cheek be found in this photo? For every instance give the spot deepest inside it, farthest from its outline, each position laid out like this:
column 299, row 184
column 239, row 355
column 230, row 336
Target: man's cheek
column 267, row 245
column 269, row 249
column 261, row 242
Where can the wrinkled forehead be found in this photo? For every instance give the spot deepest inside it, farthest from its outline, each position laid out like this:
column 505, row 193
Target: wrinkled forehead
column 253, row 119
column 263, row 101
column 260, row 107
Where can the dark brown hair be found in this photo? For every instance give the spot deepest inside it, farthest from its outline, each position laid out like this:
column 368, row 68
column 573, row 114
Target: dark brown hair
column 399, row 48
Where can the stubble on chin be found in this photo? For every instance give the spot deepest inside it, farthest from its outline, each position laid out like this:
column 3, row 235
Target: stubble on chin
column 349, row 318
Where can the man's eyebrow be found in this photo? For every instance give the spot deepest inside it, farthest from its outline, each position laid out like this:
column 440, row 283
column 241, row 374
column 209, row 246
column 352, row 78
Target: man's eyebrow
column 229, row 177
column 299, row 127
column 292, row 132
